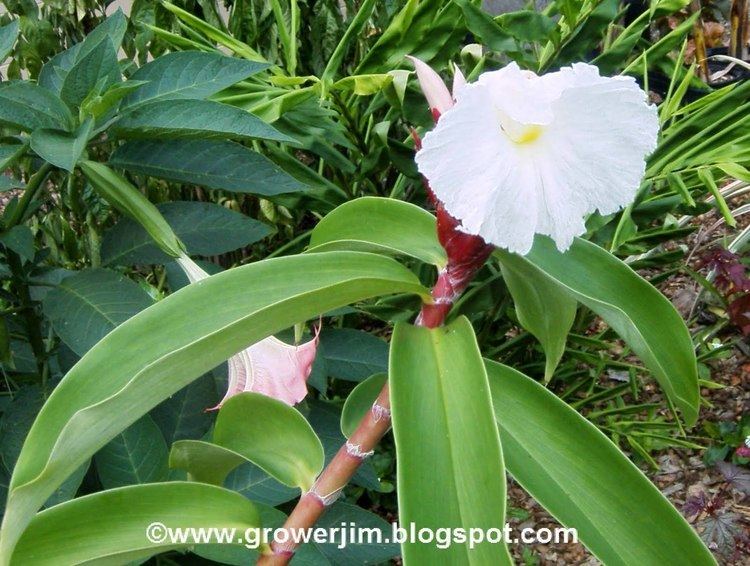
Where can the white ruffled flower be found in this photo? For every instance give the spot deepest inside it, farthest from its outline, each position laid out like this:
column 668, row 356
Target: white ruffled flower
column 520, row 154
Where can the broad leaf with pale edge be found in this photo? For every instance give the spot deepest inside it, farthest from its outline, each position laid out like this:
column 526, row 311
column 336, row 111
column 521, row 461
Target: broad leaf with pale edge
column 640, row 314
column 359, row 402
column 584, row 481
column 27, row 106
column 450, row 462
column 277, row 439
column 213, row 164
column 205, row 228
column 380, row 225
column 98, row 69
column 205, row 119
column 110, row 526
column 87, row 306
column 188, row 74
column 165, row 347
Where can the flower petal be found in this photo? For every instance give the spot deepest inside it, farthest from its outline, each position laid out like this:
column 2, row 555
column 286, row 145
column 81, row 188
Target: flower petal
column 520, row 154
column 433, row 87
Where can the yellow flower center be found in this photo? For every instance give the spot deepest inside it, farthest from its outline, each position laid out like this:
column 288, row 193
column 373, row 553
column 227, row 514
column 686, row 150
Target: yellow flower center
column 518, row 132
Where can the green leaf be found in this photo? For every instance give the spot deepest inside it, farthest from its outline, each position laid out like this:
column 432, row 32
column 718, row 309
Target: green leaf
column 584, row 480
column 206, row 119
column 97, row 69
column 353, row 355
column 110, row 526
column 639, row 313
column 54, row 71
column 213, row 164
column 204, row 461
column 11, row 151
column 170, row 344
column 450, row 463
column 188, row 74
column 257, row 485
column 20, row 240
column 543, row 308
column 481, row 24
column 8, row 36
column 59, row 148
column 85, row 307
column 118, row 192
column 359, row 402
column 205, row 228
column 137, row 455
column 527, row 25
column 273, row 436
column 378, row 224
column 184, row 414
column 364, row 85
column 8, row 183
column 28, row 107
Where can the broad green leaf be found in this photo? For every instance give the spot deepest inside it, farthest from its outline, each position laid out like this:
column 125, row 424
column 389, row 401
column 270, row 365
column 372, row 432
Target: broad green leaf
column 351, row 354
column 584, row 480
column 17, row 418
column 11, row 151
column 8, row 183
column 527, row 25
column 359, row 402
column 170, row 344
column 184, row 414
column 383, row 225
column 188, row 74
column 54, row 71
column 640, row 314
column 205, row 228
column 206, row 119
column 273, row 436
column 27, row 106
column 450, row 463
column 8, row 36
column 98, row 69
column 481, row 24
column 110, row 526
column 20, row 240
column 204, row 461
column 257, row 485
column 137, row 455
column 211, row 163
column 62, row 149
column 543, row 308
column 87, row 306
column 118, row 192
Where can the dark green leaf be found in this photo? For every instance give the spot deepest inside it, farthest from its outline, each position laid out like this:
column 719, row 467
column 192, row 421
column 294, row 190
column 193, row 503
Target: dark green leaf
column 352, row 354
column 183, row 415
column 481, row 24
column 360, row 401
column 214, row 164
column 60, row 148
column 205, row 228
column 8, row 35
column 97, row 69
column 527, row 25
column 11, row 151
column 257, row 485
column 188, row 74
column 206, row 119
column 20, row 240
column 86, row 307
column 137, row 455
column 27, row 106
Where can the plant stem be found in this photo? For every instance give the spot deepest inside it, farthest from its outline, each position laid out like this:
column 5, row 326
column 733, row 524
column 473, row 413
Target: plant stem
column 347, row 460
column 32, row 189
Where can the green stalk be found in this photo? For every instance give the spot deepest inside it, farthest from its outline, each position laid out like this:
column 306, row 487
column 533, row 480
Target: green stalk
column 33, row 187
